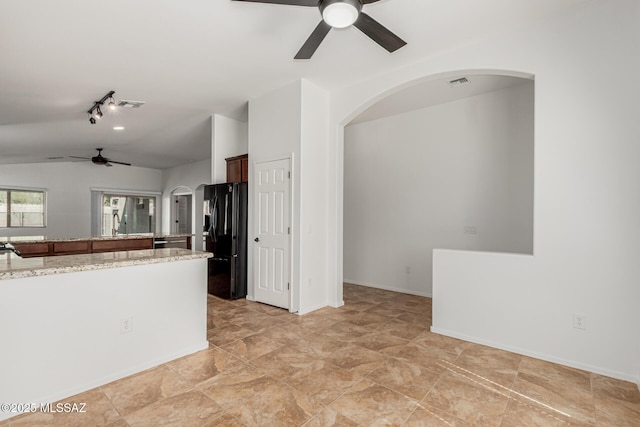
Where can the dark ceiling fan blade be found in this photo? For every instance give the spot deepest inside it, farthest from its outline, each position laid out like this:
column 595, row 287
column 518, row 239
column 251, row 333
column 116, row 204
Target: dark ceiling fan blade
column 309, row 47
column 369, row 1
column 378, row 33
column 117, row 163
column 312, row 3
column 83, row 158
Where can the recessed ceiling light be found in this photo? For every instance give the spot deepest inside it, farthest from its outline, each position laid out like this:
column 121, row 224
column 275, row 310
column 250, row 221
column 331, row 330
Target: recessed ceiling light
column 118, row 128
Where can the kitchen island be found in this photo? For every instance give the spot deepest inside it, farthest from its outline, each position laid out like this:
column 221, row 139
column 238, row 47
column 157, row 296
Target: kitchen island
column 74, row 322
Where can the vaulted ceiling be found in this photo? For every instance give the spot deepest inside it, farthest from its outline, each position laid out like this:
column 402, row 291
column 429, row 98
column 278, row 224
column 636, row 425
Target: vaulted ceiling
column 189, row 59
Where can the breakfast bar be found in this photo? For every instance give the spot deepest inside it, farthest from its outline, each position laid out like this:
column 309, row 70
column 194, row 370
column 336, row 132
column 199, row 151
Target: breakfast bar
column 70, row 323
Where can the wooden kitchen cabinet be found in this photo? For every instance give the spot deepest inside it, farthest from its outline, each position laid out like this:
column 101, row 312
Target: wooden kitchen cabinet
column 238, row 168
column 33, row 249
column 71, row 248
column 121, row 245
column 75, row 247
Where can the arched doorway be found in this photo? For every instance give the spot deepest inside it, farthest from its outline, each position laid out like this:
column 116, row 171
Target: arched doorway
column 181, row 211
column 490, row 207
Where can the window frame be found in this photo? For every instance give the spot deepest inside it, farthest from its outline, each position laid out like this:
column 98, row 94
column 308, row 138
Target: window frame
column 8, row 190
column 129, row 195
column 97, row 194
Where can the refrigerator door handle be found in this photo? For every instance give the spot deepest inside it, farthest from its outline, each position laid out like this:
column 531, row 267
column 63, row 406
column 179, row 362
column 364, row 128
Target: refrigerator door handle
column 226, row 213
column 214, row 220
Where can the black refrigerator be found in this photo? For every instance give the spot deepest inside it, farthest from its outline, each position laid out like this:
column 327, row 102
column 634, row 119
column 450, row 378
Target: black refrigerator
column 226, row 237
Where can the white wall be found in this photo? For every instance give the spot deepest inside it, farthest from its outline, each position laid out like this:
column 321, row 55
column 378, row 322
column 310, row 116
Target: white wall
column 274, row 133
column 313, row 193
column 68, row 192
column 291, row 122
column 586, row 204
column 414, row 181
column 61, row 332
column 228, row 139
column 192, row 177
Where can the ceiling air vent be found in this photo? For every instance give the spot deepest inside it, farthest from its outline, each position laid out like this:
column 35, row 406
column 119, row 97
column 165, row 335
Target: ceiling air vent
column 459, row 82
column 130, row 104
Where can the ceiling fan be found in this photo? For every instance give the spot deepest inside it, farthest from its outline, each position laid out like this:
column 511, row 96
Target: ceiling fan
column 341, row 14
column 99, row 160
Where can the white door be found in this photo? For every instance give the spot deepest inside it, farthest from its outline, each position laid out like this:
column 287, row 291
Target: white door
column 271, row 242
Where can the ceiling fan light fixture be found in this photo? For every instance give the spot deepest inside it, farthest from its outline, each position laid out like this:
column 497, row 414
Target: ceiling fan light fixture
column 340, row 13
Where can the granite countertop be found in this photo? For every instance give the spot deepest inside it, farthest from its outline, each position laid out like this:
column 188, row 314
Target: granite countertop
column 14, row 267
column 41, row 239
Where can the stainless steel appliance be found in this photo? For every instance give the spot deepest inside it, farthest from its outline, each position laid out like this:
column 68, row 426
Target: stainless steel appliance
column 164, row 242
column 226, row 237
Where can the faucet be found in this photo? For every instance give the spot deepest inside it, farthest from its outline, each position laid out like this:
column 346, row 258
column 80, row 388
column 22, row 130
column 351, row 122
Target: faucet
column 8, row 246
column 114, row 230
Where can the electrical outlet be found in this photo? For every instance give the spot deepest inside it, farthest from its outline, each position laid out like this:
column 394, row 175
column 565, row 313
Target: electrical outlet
column 579, row 321
column 470, row 229
column 407, row 269
column 126, row 325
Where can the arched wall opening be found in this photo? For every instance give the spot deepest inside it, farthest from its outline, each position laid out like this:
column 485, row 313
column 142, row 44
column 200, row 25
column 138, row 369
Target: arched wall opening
column 194, row 200
column 181, row 212
column 429, row 166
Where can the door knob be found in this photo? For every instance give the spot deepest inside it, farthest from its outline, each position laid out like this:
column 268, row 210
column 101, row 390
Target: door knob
column 257, row 239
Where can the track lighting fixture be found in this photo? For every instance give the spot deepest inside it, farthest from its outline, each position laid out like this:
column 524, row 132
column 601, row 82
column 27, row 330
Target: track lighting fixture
column 95, row 112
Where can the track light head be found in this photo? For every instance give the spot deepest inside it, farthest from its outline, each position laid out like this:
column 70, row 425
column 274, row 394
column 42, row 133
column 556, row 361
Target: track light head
column 95, row 112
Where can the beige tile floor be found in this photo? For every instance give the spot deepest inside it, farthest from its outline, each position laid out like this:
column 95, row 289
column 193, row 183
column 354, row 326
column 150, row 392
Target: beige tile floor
column 372, row 362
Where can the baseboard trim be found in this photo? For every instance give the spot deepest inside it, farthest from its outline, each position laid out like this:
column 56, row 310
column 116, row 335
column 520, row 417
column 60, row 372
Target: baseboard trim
column 310, row 309
column 572, row 364
column 338, row 305
column 389, row 288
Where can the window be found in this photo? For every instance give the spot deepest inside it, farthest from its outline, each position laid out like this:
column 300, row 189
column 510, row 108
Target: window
column 128, row 214
column 22, row 208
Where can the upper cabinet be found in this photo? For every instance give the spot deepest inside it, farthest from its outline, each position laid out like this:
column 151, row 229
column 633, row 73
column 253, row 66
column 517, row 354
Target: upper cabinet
column 238, row 168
